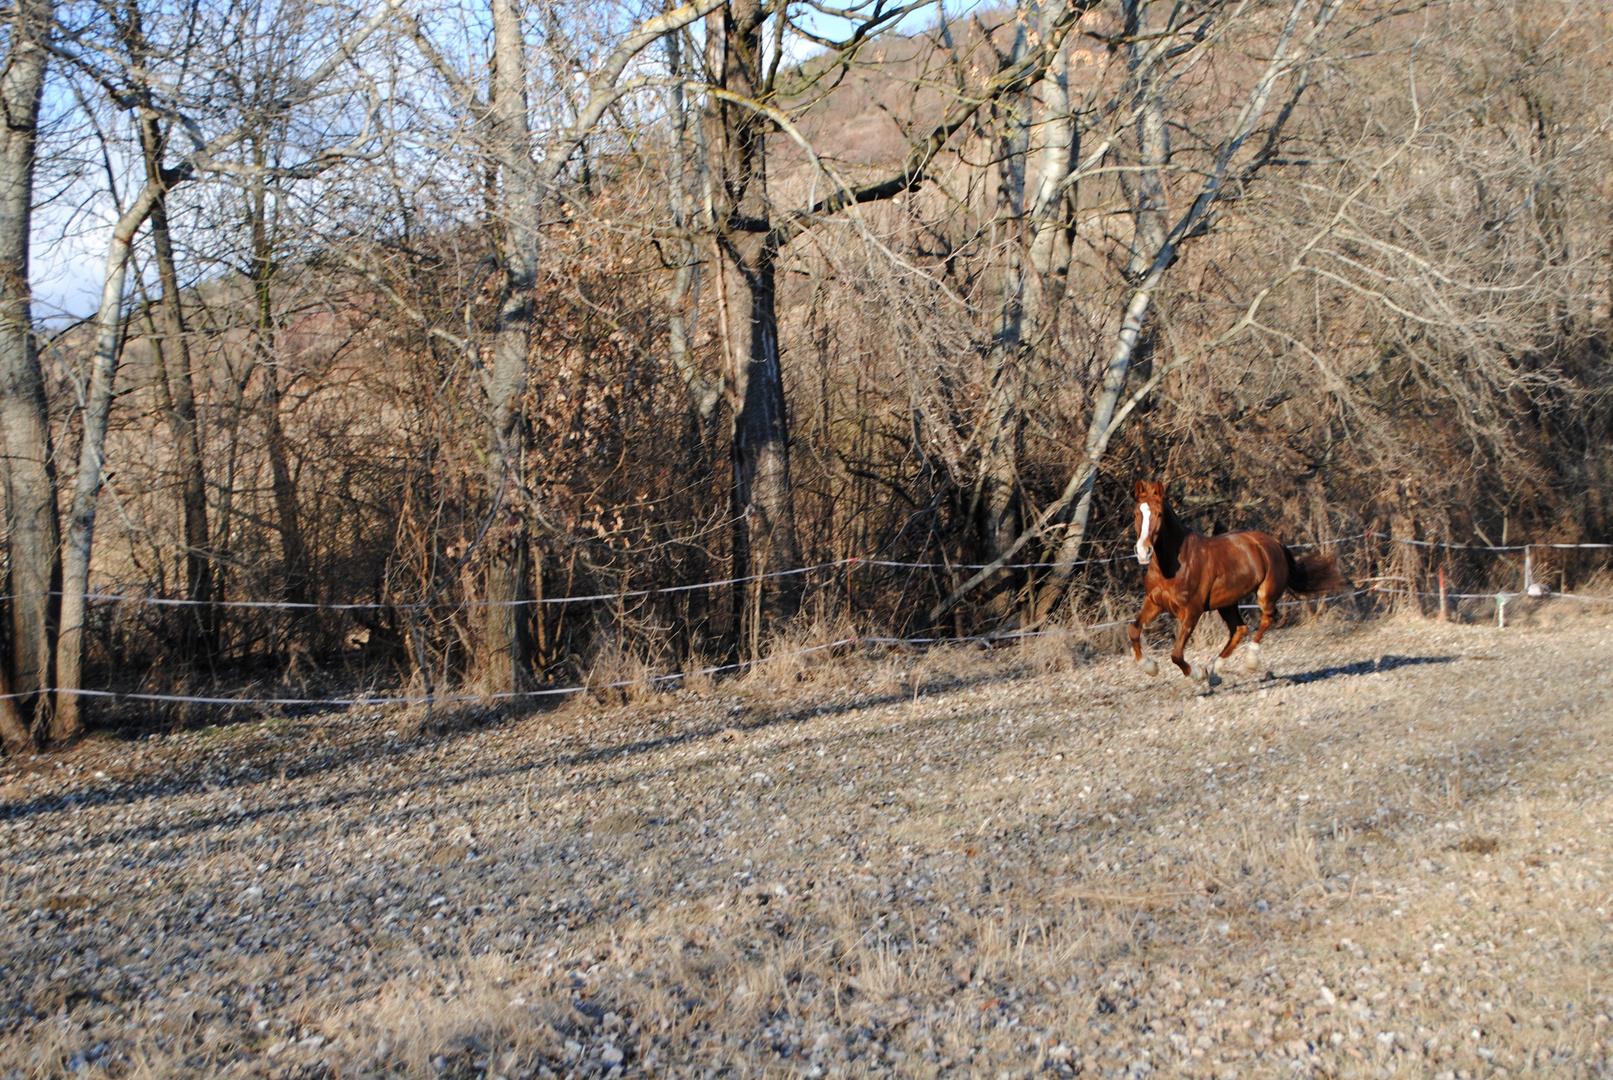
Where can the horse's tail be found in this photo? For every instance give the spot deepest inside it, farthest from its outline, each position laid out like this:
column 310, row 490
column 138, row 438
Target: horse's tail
column 1316, row 573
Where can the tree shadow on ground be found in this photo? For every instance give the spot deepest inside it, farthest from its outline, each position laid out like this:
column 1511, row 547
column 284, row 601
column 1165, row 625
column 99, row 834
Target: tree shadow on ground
column 308, row 762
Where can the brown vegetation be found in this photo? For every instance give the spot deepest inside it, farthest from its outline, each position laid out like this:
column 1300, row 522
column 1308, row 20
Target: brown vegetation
column 1380, row 304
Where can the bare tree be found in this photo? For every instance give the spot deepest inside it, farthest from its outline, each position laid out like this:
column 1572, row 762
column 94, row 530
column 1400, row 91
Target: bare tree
column 997, row 486
column 1154, row 249
column 206, row 156
column 744, row 264
column 176, row 388
column 751, row 232
column 32, row 545
column 526, row 186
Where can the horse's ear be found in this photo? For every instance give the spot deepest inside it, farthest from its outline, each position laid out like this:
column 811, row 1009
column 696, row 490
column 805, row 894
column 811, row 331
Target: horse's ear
column 1140, row 490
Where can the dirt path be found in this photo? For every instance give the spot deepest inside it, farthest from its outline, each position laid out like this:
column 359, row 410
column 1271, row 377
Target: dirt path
column 1393, row 859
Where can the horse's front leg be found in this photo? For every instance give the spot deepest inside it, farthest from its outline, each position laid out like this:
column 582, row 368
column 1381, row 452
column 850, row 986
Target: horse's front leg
column 1150, row 611
column 1236, row 628
column 1187, row 621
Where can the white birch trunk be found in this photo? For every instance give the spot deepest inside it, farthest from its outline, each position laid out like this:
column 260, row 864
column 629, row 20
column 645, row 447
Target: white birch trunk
column 1051, row 207
column 996, row 489
column 68, row 720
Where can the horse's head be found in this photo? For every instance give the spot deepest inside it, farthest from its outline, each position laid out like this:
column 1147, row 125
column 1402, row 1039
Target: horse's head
column 1150, row 514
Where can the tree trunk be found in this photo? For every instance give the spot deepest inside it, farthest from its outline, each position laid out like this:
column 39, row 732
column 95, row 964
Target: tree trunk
column 744, row 254
column 176, row 396
column 224, row 519
column 1147, row 196
column 1051, row 216
column 997, row 489
column 704, row 393
column 1051, row 212
column 504, row 665
column 701, row 434
column 68, row 722
column 33, row 557
column 294, row 585
column 763, row 494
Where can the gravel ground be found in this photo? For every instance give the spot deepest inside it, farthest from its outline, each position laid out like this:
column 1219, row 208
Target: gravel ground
column 1390, row 858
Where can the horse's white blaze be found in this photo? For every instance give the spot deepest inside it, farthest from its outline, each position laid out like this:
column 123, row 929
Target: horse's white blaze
column 1145, row 546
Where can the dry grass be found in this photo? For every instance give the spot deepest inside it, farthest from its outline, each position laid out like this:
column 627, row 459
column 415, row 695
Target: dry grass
column 1393, row 859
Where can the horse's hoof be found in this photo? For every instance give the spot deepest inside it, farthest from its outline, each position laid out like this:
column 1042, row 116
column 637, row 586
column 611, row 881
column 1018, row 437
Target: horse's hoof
column 1213, row 680
column 1198, row 673
column 1251, row 658
column 1149, row 666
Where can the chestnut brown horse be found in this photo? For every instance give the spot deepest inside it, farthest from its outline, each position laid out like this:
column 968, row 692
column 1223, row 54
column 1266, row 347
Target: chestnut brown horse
column 1189, row 574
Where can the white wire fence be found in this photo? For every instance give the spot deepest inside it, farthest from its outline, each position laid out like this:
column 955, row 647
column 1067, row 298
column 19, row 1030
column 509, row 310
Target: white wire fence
column 853, row 641
column 851, row 562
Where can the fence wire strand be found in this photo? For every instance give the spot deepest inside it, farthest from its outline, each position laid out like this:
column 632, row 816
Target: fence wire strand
column 386, row 701
column 852, row 562
column 629, row 594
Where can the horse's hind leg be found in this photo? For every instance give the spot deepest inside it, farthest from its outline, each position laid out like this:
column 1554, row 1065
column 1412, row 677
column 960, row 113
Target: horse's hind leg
column 1135, row 632
column 1266, row 597
column 1235, row 633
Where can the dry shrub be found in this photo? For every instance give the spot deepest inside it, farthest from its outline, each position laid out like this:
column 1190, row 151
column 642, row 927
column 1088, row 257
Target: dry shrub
column 1102, row 620
column 804, row 652
column 1055, row 650
column 619, row 675
column 886, row 673
column 1598, row 584
column 699, row 678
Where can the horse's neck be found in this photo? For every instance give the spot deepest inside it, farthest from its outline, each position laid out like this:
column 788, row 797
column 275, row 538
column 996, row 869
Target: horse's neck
column 1172, row 532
